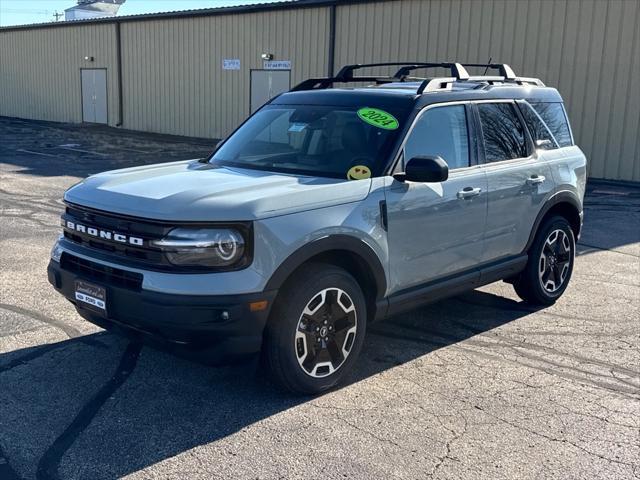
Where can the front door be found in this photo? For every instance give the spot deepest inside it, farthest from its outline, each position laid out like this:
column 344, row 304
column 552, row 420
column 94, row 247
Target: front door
column 437, row 229
column 266, row 84
column 94, row 95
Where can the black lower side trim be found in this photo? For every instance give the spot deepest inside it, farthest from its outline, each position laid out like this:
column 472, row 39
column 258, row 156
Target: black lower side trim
column 454, row 285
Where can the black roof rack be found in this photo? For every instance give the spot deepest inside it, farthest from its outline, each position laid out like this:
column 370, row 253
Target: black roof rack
column 345, row 75
column 457, row 71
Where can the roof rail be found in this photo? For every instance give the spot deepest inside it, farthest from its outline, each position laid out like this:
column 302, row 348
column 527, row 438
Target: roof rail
column 529, row 81
column 505, row 72
column 345, row 75
column 491, row 80
column 434, row 84
column 503, row 69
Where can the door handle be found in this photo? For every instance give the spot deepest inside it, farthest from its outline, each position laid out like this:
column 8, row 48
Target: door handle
column 469, row 192
column 535, row 179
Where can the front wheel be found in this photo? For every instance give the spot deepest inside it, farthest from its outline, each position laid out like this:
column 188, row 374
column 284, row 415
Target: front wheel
column 316, row 329
column 550, row 264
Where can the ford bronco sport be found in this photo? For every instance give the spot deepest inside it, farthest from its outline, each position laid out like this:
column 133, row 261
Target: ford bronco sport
column 327, row 209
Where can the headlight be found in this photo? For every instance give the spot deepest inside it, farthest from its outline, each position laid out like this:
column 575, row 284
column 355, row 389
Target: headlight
column 56, row 251
column 208, row 247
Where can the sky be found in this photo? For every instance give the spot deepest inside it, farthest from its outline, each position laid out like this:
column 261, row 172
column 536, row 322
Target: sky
column 20, row 12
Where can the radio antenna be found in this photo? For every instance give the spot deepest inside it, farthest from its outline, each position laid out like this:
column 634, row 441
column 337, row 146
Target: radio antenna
column 487, row 67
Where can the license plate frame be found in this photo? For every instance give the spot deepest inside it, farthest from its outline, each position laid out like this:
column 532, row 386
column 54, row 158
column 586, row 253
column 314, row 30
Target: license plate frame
column 91, row 296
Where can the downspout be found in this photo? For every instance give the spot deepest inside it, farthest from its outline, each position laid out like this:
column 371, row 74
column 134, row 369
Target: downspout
column 332, row 40
column 119, row 68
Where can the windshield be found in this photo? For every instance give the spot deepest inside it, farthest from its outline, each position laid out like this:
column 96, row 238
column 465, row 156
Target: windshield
column 327, row 141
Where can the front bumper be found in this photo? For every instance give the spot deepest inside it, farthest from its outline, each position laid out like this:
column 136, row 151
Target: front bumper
column 212, row 329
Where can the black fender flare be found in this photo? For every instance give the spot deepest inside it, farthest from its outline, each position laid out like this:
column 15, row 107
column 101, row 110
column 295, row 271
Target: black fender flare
column 564, row 196
column 327, row 244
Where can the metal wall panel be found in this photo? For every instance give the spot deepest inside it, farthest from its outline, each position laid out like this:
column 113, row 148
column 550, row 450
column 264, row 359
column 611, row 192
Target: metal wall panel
column 40, row 71
column 172, row 69
column 173, row 81
column 588, row 49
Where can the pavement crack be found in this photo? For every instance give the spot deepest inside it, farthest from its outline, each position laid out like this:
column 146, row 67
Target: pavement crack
column 371, row 434
column 50, row 461
column 447, row 454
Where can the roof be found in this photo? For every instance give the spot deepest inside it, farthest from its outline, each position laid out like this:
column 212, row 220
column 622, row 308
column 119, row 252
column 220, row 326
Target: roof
column 203, row 12
column 349, row 97
column 382, row 96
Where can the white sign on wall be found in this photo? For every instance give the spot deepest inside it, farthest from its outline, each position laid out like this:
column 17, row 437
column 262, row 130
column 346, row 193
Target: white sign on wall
column 277, row 65
column 231, row 64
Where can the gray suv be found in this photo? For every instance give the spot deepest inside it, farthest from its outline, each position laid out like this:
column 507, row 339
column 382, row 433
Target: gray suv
column 327, row 209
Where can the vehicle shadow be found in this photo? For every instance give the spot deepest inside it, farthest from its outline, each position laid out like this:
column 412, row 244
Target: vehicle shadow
column 100, row 407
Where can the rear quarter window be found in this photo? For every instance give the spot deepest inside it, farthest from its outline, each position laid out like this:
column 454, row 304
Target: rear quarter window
column 540, row 133
column 555, row 117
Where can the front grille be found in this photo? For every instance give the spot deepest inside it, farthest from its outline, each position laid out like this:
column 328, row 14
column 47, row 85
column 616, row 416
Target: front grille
column 101, row 273
column 140, row 253
column 147, row 231
column 153, row 256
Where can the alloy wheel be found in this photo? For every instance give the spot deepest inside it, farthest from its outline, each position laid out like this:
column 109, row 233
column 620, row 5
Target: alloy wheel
column 326, row 332
column 555, row 261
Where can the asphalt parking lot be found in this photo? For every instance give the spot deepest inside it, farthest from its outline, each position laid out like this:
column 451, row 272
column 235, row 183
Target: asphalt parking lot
column 478, row 386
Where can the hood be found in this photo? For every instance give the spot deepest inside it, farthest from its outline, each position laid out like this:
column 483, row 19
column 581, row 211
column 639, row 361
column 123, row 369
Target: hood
column 193, row 191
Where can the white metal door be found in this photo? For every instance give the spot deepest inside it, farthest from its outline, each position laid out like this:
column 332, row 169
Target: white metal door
column 266, row 84
column 94, row 95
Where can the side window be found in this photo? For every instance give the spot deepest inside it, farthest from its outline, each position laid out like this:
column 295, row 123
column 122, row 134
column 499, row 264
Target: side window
column 441, row 131
column 555, row 118
column 502, row 132
column 541, row 135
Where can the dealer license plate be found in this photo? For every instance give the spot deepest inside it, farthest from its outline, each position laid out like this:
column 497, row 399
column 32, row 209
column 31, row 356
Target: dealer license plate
column 91, row 295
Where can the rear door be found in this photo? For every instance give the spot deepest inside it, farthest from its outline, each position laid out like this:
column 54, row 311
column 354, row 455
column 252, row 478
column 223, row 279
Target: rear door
column 519, row 180
column 436, row 229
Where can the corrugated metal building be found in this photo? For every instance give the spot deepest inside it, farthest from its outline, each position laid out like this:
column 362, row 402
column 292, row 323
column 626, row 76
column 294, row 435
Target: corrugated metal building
column 167, row 73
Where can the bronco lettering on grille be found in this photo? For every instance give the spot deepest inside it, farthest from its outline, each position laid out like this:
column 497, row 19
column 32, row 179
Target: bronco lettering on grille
column 103, row 234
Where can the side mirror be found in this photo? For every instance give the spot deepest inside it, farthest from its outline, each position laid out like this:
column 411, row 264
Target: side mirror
column 424, row 169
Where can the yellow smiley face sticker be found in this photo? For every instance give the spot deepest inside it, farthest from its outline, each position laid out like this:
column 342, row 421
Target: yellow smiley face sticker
column 359, row 172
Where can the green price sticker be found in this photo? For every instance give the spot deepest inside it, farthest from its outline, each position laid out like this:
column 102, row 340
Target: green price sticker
column 378, row 118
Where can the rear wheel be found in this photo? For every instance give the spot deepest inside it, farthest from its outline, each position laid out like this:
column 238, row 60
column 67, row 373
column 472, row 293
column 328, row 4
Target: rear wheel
column 316, row 329
column 550, row 264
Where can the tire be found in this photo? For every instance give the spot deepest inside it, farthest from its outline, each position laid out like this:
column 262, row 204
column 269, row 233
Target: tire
column 550, row 264
column 319, row 301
